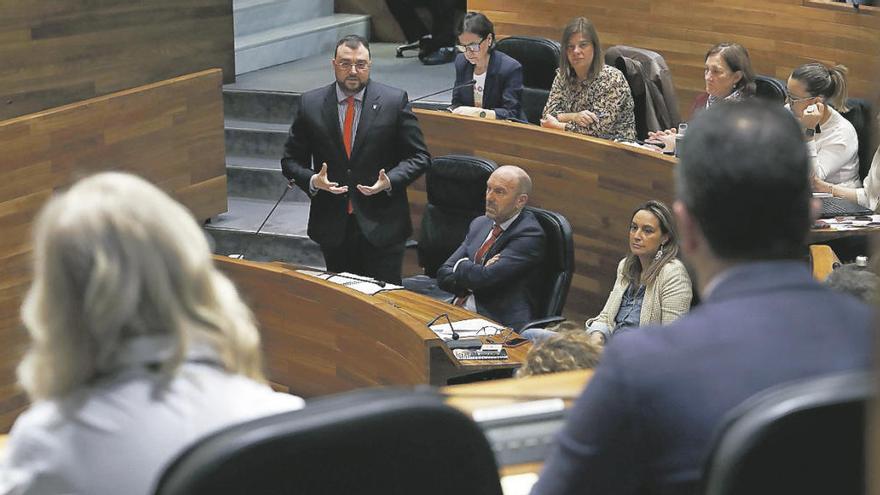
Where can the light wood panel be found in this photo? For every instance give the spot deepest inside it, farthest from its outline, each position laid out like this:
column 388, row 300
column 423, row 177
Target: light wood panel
column 779, row 34
column 170, row 133
column 594, row 183
column 321, row 338
column 56, row 52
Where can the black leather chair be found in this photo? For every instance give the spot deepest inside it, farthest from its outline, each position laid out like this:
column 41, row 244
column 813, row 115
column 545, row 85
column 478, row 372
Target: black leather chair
column 456, row 186
column 804, row 437
column 540, row 59
column 558, row 263
column 770, row 89
column 859, row 115
column 365, row 442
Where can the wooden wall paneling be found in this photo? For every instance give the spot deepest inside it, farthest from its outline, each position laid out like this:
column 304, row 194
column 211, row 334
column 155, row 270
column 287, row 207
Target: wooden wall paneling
column 594, row 183
column 169, row 132
column 56, row 52
column 779, row 34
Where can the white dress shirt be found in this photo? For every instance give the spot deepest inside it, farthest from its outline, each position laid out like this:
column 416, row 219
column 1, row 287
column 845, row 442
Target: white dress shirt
column 116, row 436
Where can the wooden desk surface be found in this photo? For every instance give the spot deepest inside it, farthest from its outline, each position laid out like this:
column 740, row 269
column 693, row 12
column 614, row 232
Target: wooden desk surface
column 567, row 385
column 320, row 337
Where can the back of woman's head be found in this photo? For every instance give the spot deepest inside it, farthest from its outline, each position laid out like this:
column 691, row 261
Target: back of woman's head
column 737, row 59
column 828, row 82
column 116, row 258
column 478, row 24
column 569, row 349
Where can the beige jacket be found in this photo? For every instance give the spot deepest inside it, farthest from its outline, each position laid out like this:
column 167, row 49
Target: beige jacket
column 665, row 300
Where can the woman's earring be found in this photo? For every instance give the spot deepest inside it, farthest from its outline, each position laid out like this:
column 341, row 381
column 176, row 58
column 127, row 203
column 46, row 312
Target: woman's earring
column 659, row 253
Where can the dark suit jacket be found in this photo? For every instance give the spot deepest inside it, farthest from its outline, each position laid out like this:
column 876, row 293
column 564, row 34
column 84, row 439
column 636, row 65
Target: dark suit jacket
column 503, row 90
column 646, row 419
column 504, row 290
column 388, row 136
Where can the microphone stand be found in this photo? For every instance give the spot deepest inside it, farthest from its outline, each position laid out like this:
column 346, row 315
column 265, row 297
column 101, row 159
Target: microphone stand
column 469, row 83
column 253, row 236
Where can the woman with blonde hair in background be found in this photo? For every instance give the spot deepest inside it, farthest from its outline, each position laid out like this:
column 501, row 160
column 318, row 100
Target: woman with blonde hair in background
column 139, row 346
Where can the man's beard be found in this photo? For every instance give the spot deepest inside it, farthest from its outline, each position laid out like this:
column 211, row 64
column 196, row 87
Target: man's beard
column 346, row 88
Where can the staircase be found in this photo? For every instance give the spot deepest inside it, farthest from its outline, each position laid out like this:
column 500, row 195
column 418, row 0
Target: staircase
column 256, row 129
column 272, row 32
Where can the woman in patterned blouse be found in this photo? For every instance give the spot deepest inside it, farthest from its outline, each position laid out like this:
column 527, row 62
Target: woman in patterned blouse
column 588, row 96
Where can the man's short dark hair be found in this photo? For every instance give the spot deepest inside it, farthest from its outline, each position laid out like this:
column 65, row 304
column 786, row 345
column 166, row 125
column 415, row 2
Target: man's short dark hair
column 352, row 41
column 744, row 177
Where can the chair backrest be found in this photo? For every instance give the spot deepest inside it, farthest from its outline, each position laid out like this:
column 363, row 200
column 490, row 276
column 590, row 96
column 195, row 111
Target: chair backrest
column 661, row 102
column 801, row 437
column 632, row 71
column 456, row 187
column 539, row 58
column 558, row 266
column 533, row 102
column 770, row 88
column 859, row 116
column 373, row 441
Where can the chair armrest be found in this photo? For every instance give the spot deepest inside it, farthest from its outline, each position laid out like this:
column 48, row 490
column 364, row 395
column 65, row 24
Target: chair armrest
column 542, row 323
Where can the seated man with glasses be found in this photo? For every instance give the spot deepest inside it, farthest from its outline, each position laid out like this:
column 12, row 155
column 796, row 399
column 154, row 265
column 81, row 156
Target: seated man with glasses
column 497, row 89
column 354, row 148
column 495, row 269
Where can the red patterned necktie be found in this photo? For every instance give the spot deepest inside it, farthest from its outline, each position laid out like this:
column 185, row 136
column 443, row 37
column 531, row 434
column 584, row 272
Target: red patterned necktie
column 480, row 257
column 346, row 136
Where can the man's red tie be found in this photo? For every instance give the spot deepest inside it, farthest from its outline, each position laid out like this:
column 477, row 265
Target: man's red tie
column 480, row 257
column 346, row 135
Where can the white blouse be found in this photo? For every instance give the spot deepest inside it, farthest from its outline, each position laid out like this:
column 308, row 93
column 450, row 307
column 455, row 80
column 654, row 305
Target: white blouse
column 117, row 436
column 834, row 152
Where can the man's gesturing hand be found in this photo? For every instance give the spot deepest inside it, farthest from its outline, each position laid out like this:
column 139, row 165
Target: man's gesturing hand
column 320, row 181
column 381, row 184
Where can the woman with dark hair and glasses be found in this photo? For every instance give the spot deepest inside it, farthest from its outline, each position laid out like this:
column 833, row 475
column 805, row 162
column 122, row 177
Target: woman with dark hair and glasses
column 588, row 96
column 816, row 96
column 652, row 286
column 497, row 90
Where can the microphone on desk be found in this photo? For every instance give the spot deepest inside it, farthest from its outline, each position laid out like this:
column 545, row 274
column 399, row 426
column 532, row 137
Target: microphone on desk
column 469, row 83
column 249, row 241
column 368, row 280
column 455, row 335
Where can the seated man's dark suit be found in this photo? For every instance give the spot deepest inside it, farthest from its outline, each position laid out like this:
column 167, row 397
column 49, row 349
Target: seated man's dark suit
column 646, row 419
column 503, row 291
column 388, row 136
column 503, row 91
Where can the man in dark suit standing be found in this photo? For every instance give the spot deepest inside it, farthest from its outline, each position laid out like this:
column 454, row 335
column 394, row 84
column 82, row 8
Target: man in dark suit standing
column 493, row 270
column 366, row 145
column 645, row 421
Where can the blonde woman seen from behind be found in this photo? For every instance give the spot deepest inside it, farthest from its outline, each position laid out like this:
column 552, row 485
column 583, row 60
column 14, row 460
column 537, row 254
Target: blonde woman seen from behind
column 652, row 285
column 139, row 346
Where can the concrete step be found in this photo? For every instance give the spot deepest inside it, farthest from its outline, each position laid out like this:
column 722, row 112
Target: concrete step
column 255, row 139
column 274, row 107
column 292, row 42
column 283, row 238
column 252, row 16
column 259, row 178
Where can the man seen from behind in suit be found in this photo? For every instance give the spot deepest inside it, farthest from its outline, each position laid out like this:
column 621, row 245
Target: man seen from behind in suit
column 645, row 422
column 493, row 271
column 354, row 147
